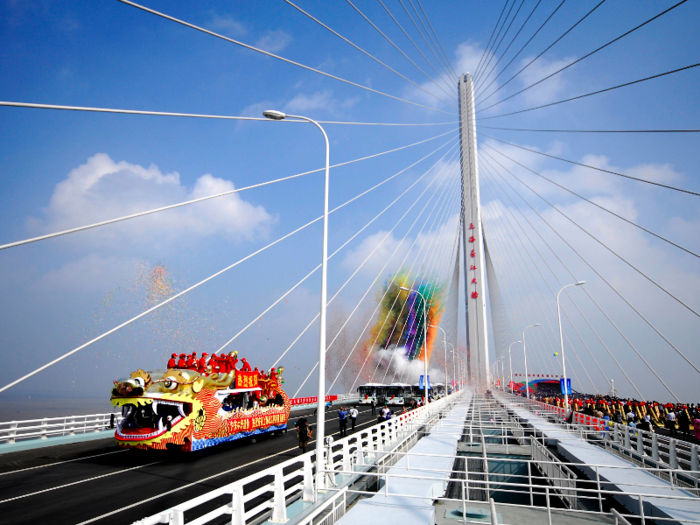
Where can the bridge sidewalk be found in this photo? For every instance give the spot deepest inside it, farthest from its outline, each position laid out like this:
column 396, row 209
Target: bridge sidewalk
column 628, row 481
column 402, row 510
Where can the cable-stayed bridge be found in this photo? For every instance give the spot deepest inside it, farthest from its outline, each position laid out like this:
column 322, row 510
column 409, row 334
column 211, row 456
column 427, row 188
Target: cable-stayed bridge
column 498, row 265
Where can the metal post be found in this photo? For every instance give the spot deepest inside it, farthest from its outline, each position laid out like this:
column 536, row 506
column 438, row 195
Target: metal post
column 654, row 447
column 279, row 504
column 561, row 342
column 510, row 365
column 321, row 419
column 527, row 377
column 672, row 456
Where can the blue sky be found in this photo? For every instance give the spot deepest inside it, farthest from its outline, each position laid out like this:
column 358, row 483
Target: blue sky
column 61, row 169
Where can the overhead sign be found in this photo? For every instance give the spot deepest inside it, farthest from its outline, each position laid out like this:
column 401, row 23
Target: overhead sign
column 420, row 383
column 565, row 390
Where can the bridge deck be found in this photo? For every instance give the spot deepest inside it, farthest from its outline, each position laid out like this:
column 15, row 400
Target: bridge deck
column 401, row 510
column 628, row 482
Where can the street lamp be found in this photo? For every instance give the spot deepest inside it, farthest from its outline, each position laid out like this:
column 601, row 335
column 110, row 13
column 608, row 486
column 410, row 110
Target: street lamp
column 561, row 343
column 503, row 376
column 527, row 378
column 510, row 364
column 454, row 371
column 321, row 420
column 444, row 343
column 425, row 340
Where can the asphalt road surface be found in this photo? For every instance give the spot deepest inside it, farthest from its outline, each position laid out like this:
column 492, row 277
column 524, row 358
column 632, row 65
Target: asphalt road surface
column 96, row 482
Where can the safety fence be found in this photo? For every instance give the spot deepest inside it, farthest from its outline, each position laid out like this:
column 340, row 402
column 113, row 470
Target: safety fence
column 14, row 431
column 268, row 493
column 641, row 446
column 562, row 493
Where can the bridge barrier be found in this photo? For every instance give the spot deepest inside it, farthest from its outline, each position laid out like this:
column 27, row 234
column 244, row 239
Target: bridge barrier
column 13, row 431
column 287, row 490
column 583, row 500
column 665, row 455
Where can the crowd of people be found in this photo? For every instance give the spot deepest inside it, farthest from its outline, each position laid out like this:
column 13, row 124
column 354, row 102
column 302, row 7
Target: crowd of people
column 677, row 418
column 223, row 363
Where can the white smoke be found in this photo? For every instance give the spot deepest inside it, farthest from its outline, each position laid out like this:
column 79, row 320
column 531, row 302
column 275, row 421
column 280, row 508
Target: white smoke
column 392, row 366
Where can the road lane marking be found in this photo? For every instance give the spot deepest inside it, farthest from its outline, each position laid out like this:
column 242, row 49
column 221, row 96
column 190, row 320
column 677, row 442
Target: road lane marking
column 76, row 482
column 92, row 520
column 60, row 462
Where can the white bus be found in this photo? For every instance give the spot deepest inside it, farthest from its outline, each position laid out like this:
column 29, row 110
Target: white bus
column 371, row 392
column 438, row 390
column 419, row 392
column 398, row 394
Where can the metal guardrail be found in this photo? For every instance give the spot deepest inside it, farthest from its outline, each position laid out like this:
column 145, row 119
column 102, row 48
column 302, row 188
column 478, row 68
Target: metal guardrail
column 641, row 446
column 559, row 475
column 14, row 431
column 266, row 494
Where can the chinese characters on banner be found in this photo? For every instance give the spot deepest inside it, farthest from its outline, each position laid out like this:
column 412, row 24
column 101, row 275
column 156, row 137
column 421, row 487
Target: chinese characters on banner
column 246, row 379
column 247, row 424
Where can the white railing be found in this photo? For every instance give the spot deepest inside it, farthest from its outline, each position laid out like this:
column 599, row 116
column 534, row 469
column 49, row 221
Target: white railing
column 584, row 498
column 645, row 448
column 268, row 493
column 13, row 431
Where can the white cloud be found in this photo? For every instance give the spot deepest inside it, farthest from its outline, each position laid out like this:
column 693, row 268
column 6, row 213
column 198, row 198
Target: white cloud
column 227, row 26
column 468, row 56
column 376, row 249
column 550, row 89
column 274, row 41
column 103, row 189
column 426, row 253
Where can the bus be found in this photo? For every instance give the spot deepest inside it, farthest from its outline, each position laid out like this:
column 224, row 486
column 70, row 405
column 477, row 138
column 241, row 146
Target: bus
column 419, row 392
column 398, row 394
column 371, row 392
column 438, row 390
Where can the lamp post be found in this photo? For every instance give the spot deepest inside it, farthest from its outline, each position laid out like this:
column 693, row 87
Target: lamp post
column 561, row 345
column 503, row 375
column 444, row 343
column 454, row 372
column 321, row 420
column 510, row 365
column 425, row 340
column 527, row 378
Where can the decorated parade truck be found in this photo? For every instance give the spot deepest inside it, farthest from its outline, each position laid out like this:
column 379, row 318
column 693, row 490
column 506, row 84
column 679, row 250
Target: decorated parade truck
column 198, row 405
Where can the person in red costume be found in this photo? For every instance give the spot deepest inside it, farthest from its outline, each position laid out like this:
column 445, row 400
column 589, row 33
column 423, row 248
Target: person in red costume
column 224, row 364
column 273, row 374
column 203, row 363
column 182, row 362
column 214, row 362
column 172, row 361
column 233, row 359
column 246, row 366
column 190, row 361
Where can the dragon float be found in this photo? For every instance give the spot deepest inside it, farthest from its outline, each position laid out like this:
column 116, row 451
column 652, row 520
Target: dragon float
column 191, row 409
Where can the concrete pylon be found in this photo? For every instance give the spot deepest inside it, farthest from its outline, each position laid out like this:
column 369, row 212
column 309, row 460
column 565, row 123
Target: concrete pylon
column 473, row 240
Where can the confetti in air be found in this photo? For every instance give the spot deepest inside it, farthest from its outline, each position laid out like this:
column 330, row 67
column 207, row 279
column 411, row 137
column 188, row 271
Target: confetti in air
column 400, row 326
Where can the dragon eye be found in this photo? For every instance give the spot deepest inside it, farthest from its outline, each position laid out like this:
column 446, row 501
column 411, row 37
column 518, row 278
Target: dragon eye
column 170, row 383
column 140, row 381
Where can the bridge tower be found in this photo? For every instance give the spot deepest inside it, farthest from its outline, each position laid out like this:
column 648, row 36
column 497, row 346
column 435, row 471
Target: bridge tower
column 472, row 240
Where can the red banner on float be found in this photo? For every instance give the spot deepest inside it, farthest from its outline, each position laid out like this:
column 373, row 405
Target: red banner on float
column 310, row 400
column 246, row 379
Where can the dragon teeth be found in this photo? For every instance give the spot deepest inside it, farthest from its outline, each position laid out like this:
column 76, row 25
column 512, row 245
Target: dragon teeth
column 154, row 406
